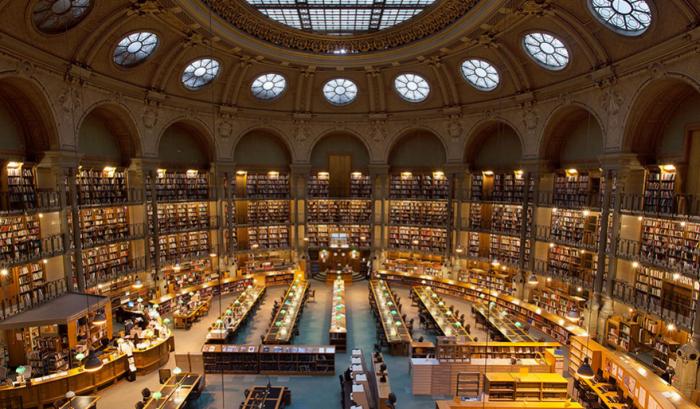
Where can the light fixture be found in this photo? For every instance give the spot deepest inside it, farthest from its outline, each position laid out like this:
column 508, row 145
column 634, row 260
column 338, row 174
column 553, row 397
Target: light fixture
column 177, row 371
column 532, row 280
column 554, row 210
column 137, row 284
column 518, row 174
column 41, row 215
column 191, row 173
column 640, row 218
column 14, row 165
column 4, row 272
column 551, row 245
column 241, row 172
column 459, row 250
column 438, row 175
column 212, row 255
column 488, row 173
column 324, row 175
column 667, row 168
column 93, row 363
column 549, row 279
column 495, row 263
column 585, row 371
column 273, row 174
column 586, row 213
column 100, row 318
column 579, row 289
column 671, row 326
column 572, row 315
column 635, row 264
column 571, row 172
column 356, row 175
column 109, row 171
column 45, row 261
column 161, row 173
column 406, row 175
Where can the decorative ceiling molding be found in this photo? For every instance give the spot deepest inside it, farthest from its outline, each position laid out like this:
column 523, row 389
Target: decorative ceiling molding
column 243, row 17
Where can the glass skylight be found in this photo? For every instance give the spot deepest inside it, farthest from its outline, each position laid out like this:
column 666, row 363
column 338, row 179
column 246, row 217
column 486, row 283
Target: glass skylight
column 340, row 91
column 200, row 73
column 629, row 17
column 549, row 51
column 412, row 87
column 340, row 17
column 268, row 86
column 56, row 16
column 135, row 48
column 480, row 74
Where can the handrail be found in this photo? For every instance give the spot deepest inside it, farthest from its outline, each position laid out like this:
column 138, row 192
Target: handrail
column 12, row 306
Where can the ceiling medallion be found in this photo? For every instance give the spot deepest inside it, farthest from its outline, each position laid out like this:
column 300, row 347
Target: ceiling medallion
column 245, row 18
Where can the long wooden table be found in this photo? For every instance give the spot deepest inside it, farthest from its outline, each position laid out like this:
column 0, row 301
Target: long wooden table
column 441, row 315
column 510, row 329
column 262, row 397
column 609, row 398
column 176, row 392
column 282, row 328
column 395, row 330
column 185, row 321
column 338, row 333
column 239, row 311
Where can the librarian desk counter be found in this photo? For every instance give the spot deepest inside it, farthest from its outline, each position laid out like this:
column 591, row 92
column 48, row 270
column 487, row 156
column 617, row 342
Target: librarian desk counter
column 44, row 391
column 154, row 356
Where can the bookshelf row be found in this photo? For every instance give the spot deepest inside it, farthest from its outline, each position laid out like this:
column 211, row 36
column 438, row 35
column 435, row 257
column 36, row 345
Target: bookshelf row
column 578, row 226
column 425, row 213
column 21, row 187
column 174, row 217
column 263, row 212
column 330, row 235
column 267, row 237
column 409, row 186
column 175, row 247
column 101, row 186
column 270, row 185
column 418, row 238
column 671, row 244
column 173, row 186
column 103, row 224
column 20, row 238
column 563, row 261
column 498, row 187
column 339, row 211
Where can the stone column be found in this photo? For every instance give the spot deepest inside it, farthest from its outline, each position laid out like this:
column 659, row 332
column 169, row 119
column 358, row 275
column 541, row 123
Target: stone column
column 138, row 179
column 222, row 173
column 455, row 175
column 300, row 173
column 379, row 175
column 522, row 276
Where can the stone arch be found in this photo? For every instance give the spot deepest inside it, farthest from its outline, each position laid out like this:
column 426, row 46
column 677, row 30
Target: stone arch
column 120, row 122
column 480, row 133
column 392, row 142
column 32, row 110
column 428, row 146
column 562, row 128
column 650, row 109
column 197, row 130
column 353, row 138
column 279, row 154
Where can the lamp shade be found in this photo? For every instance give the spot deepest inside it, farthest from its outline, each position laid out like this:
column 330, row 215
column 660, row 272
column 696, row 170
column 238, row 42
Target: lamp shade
column 572, row 315
column 585, row 370
column 532, row 280
column 100, row 318
column 21, row 369
column 93, row 363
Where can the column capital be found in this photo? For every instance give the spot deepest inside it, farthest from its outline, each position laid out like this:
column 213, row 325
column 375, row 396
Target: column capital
column 60, row 159
column 619, row 161
column 538, row 166
column 377, row 169
column 300, row 169
column 144, row 164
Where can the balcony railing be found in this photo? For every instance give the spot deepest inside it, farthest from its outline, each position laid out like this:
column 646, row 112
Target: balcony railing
column 135, row 265
column 679, row 206
column 45, row 200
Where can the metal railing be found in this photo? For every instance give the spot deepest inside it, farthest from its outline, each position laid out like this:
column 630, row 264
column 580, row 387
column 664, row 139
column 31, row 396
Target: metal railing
column 135, row 265
column 668, row 310
column 39, row 201
column 680, row 205
column 109, row 235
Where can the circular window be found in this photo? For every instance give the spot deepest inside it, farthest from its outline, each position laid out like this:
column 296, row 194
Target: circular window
column 628, row 17
column 57, row 16
column 200, row 73
column 480, row 74
column 547, row 50
column 340, row 91
column 412, row 87
column 135, row 48
column 268, row 86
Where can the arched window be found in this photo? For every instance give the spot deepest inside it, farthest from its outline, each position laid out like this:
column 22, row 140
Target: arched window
column 340, row 91
column 627, row 17
column 547, row 50
column 135, row 48
column 480, row 74
column 200, row 73
column 268, row 86
column 412, row 87
column 56, row 16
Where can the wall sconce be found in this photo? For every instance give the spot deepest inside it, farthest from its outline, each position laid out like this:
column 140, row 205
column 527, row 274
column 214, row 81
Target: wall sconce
column 518, row 174
column 161, row 173
column 356, row 175
column 406, row 175
column 109, row 171
column 438, row 175
column 324, row 175
column 241, row 173
column 572, row 173
column 667, row 168
column 191, row 173
column 273, row 174
column 487, row 173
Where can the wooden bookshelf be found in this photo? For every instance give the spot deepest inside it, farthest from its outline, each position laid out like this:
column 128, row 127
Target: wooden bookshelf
column 649, row 288
column 455, row 349
column 557, row 301
column 414, row 266
column 20, row 238
column 178, row 185
column 508, row 219
column 177, row 217
column 418, row 239
column 494, row 279
column 476, row 221
column 477, row 187
column 263, row 212
column 573, row 263
column 418, row 213
column 104, row 224
column 265, row 237
column 327, row 211
column 29, row 282
column 408, row 186
column 269, row 359
column 660, row 189
column 271, row 185
column 101, row 186
column 575, row 226
column 506, row 249
column 20, row 184
column 325, row 235
column 671, row 244
column 527, row 387
column 101, row 261
column 575, row 189
column 182, row 246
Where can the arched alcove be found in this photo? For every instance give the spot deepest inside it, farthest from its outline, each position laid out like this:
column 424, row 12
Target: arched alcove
column 572, row 138
column 418, row 150
column 340, row 144
column 261, row 149
column 661, row 119
column 27, row 126
column 107, row 133
column 494, row 146
column 183, row 144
